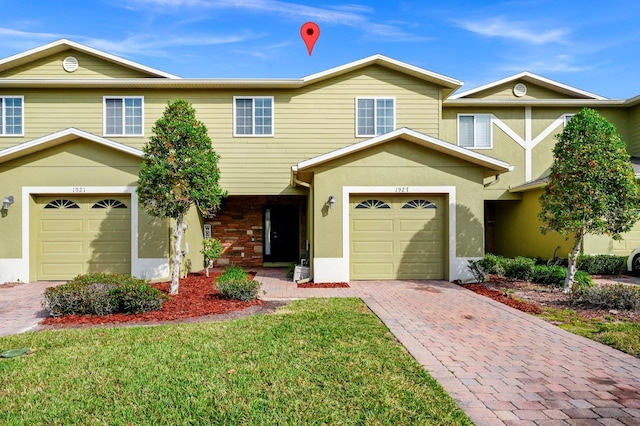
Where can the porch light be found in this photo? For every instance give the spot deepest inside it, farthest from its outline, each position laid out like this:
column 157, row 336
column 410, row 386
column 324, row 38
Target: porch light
column 8, row 200
column 332, row 202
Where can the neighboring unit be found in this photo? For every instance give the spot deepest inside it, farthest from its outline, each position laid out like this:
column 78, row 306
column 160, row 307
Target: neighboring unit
column 372, row 170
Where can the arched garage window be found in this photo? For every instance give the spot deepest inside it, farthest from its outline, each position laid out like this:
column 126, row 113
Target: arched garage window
column 109, row 203
column 419, row 204
column 62, row 204
column 373, row 204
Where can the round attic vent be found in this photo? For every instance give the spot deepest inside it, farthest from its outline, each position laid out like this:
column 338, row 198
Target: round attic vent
column 519, row 90
column 70, row 64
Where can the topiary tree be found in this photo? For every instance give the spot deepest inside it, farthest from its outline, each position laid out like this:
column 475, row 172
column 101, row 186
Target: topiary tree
column 592, row 187
column 179, row 169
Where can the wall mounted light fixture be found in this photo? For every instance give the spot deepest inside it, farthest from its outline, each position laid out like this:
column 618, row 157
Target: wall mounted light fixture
column 332, row 202
column 8, row 200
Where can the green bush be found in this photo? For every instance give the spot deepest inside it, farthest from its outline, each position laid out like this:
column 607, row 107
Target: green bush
column 609, row 296
column 602, row 264
column 102, row 294
column 552, row 276
column 493, row 264
column 235, row 283
column 520, row 268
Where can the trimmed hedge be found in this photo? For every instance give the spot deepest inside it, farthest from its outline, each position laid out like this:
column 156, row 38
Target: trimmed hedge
column 102, row 294
column 608, row 296
column 235, row 283
column 602, row 264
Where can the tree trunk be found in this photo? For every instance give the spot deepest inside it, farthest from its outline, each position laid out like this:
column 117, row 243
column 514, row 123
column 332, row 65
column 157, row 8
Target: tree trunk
column 572, row 267
column 177, row 255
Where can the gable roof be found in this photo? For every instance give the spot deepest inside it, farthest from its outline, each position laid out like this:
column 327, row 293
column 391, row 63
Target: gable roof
column 492, row 165
column 450, row 83
column 59, row 138
column 535, row 79
column 64, row 44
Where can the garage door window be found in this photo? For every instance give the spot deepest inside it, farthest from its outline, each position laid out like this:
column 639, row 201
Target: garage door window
column 373, row 204
column 109, row 203
column 419, row 204
column 62, row 204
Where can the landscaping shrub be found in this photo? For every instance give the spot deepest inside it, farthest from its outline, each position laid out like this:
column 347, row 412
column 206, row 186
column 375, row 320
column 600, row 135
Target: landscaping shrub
column 520, row 268
column 552, row 276
column 102, row 294
column 609, row 296
column 235, row 283
column 602, row 264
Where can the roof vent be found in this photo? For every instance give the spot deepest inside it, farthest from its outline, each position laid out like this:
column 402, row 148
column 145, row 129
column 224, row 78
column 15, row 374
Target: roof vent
column 519, row 90
column 70, row 64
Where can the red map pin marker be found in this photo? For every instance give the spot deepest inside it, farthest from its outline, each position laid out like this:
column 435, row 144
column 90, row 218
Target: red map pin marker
column 310, row 31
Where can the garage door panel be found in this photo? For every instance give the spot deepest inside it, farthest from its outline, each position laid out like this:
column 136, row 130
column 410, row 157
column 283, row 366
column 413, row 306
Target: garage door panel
column 81, row 239
column 403, row 240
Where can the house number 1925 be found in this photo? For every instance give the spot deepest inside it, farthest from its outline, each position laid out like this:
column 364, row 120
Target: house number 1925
column 402, row 189
column 77, row 189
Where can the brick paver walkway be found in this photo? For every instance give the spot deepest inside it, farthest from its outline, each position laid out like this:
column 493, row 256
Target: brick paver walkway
column 502, row 366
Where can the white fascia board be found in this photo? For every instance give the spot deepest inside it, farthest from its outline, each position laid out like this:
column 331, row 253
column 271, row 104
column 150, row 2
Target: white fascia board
column 412, row 136
column 153, row 83
column 577, row 103
column 389, row 62
column 63, row 44
column 536, row 79
column 60, row 137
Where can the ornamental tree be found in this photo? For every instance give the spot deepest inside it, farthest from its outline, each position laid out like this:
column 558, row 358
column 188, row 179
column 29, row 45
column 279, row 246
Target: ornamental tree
column 592, row 187
column 179, row 169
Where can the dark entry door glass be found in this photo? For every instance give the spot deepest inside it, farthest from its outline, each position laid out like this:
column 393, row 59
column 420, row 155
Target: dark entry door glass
column 281, row 233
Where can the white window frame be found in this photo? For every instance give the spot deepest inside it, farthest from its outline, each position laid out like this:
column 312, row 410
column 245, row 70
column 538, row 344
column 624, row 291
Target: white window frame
column 4, row 116
column 104, row 117
column 567, row 117
column 375, row 117
column 474, row 115
column 253, row 115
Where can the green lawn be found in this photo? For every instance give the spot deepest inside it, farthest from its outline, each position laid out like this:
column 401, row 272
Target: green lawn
column 624, row 336
column 317, row 361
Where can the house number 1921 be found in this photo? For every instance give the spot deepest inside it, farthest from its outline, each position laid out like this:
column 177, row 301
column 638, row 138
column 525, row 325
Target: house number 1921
column 77, row 189
column 402, row 189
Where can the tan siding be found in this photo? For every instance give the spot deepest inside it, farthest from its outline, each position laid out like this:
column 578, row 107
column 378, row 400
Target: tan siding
column 505, row 91
column 633, row 142
column 89, row 67
column 308, row 122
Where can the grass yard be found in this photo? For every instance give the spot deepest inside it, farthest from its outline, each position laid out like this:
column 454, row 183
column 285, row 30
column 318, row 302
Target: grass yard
column 621, row 335
column 316, row 361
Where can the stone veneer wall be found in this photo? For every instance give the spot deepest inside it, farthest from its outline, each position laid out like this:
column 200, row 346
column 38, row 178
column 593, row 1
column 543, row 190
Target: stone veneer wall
column 238, row 224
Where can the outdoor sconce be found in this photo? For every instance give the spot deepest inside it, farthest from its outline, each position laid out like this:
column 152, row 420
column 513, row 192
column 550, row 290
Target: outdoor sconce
column 332, row 202
column 8, row 200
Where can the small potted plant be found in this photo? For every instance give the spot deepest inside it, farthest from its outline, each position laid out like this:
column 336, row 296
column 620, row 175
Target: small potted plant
column 211, row 249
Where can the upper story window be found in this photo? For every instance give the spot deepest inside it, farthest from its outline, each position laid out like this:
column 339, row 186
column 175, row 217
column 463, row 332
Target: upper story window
column 375, row 116
column 567, row 118
column 11, row 115
column 123, row 116
column 474, row 131
column 253, row 116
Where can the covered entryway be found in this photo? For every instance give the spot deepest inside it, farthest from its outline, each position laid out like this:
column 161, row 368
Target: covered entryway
column 80, row 234
column 397, row 237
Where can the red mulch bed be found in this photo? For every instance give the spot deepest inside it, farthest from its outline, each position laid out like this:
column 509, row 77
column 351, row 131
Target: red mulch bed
column 499, row 296
column 323, row 285
column 197, row 297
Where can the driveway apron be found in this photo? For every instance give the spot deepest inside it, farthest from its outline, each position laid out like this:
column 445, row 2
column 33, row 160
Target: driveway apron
column 21, row 306
column 502, row 366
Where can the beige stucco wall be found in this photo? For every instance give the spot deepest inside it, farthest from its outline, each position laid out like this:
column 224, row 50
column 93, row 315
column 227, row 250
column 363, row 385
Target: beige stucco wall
column 74, row 164
column 398, row 163
column 517, row 230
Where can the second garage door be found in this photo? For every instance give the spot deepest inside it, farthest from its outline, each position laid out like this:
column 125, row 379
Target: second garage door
column 395, row 237
column 77, row 235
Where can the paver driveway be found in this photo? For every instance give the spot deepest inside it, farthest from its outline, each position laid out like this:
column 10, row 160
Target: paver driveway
column 502, row 366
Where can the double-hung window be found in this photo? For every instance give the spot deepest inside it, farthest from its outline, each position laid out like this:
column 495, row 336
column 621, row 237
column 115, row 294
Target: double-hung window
column 474, row 130
column 375, row 116
column 11, row 115
column 123, row 116
column 253, row 116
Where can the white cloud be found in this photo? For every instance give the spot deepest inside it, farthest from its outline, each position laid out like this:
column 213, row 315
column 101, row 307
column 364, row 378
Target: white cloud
column 529, row 32
column 555, row 64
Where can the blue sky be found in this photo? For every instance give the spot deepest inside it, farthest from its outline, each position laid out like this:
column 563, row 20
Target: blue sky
column 594, row 46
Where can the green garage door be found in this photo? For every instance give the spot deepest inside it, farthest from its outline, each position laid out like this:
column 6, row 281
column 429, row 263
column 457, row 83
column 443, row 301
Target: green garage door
column 395, row 237
column 77, row 235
